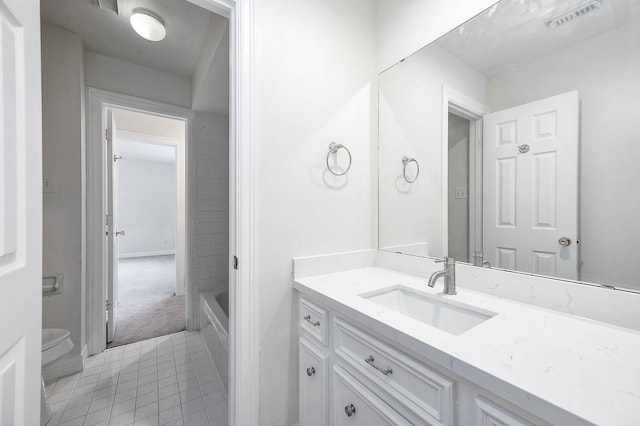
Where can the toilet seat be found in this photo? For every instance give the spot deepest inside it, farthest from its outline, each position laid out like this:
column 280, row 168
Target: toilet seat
column 55, row 343
column 52, row 336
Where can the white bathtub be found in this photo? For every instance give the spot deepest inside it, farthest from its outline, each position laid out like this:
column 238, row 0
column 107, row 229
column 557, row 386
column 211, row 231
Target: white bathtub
column 214, row 327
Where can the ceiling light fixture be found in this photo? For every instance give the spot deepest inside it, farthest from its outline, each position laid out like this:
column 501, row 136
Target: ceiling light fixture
column 148, row 25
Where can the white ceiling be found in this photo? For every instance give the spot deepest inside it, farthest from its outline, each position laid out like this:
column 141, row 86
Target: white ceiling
column 196, row 46
column 104, row 32
column 148, row 124
column 131, row 149
column 513, row 32
column 137, row 134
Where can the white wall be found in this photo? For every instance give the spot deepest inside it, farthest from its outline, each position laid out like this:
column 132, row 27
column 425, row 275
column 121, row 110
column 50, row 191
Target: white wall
column 317, row 74
column 210, row 88
column 147, row 207
column 104, row 72
column 62, row 149
column 405, row 26
column 410, row 124
column 605, row 72
column 210, row 217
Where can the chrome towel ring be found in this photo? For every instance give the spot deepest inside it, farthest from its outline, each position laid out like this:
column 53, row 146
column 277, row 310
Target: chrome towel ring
column 333, row 148
column 405, row 161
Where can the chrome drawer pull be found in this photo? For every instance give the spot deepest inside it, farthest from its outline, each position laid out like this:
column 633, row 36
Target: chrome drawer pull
column 349, row 410
column 308, row 319
column 311, row 371
column 385, row 371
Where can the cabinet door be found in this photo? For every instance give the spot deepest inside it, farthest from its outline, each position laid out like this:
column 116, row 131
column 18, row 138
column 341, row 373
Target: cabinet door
column 489, row 413
column 313, row 376
column 355, row 405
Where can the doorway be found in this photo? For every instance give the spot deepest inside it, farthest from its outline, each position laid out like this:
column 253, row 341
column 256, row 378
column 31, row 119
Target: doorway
column 120, row 117
column 146, row 292
column 458, row 190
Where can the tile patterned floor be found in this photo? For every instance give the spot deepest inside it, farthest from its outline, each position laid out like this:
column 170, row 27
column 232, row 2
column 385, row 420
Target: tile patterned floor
column 169, row 380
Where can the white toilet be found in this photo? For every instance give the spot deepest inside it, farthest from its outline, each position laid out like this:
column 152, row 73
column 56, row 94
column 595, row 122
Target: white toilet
column 55, row 344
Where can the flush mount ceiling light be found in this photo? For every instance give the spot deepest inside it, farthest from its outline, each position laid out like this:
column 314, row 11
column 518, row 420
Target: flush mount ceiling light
column 148, row 25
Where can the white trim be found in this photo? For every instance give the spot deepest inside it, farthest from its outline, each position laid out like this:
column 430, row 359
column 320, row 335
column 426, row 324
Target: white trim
column 465, row 107
column 244, row 289
column 146, row 254
column 97, row 102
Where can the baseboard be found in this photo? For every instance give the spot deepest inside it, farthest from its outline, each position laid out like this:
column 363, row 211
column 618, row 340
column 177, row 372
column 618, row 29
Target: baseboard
column 84, row 354
column 147, row 254
column 68, row 364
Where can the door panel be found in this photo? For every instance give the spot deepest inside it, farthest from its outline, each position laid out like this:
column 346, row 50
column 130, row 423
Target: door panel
column 314, row 384
column 530, row 161
column 20, row 212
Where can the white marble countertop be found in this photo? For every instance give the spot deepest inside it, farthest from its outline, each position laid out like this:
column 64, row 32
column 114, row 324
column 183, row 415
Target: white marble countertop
column 554, row 365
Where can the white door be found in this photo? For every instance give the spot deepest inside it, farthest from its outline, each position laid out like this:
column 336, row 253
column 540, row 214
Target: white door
column 20, row 213
column 530, row 187
column 112, row 224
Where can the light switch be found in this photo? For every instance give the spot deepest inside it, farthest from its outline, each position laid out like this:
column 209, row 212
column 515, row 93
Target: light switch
column 47, row 184
column 462, row 192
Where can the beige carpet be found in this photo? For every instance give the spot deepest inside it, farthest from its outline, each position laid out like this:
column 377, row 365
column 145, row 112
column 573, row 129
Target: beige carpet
column 147, row 305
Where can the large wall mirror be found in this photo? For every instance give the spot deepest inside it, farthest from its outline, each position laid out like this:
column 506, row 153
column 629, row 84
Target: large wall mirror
column 513, row 142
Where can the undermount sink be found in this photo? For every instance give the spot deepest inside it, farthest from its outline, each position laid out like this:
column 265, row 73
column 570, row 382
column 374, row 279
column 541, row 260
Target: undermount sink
column 450, row 316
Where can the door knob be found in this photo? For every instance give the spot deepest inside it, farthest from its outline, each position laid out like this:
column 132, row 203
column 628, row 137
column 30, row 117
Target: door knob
column 564, row 241
column 349, row 410
column 311, row 371
column 120, row 233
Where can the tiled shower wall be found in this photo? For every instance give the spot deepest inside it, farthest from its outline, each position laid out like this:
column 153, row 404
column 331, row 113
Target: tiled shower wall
column 210, row 214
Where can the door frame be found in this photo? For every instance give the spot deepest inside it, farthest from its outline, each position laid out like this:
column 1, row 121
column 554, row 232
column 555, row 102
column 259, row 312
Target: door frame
column 244, row 155
column 98, row 101
column 453, row 101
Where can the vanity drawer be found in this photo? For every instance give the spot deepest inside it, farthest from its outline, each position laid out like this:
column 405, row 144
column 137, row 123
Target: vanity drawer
column 424, row 391
column 355, row 405
column 490, row 413
column 314, row 320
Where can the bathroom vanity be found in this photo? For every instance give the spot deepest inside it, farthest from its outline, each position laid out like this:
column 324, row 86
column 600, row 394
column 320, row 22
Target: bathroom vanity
column 496, row 147
column 377, row 346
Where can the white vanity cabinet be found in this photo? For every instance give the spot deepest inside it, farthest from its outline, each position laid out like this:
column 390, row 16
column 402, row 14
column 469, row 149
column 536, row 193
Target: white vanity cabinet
column 314, row 383
column 341, row 380
column 313, row 364
column 349, row 376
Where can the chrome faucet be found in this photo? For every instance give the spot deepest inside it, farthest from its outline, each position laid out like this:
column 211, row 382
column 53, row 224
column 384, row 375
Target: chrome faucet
column 448, row 273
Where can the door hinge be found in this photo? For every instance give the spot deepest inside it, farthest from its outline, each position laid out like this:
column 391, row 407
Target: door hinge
column 107, row 135
column 107, row 304
column 235, row 262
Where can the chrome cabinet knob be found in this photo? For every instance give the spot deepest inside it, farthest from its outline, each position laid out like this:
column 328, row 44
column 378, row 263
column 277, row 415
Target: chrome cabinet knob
column 311, row 371
column 349, row 410
column 564, row 241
